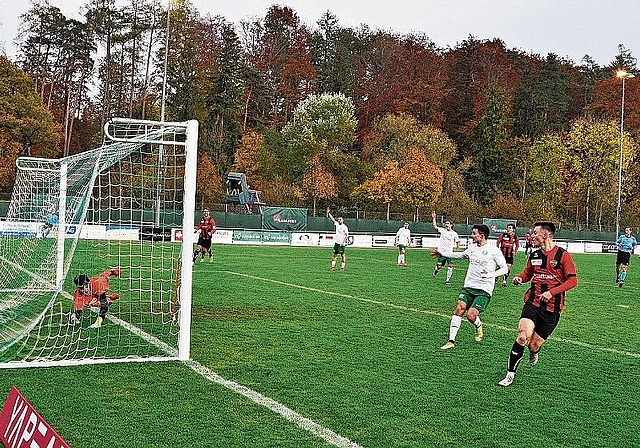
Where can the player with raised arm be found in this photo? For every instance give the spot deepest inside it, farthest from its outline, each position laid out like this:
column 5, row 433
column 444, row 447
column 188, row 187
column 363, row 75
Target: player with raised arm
column 340, row 241
column 449, row 240
column 402, row 241
column 552, row 273
column 92, row 292
column 478, row 284
column 206, row 227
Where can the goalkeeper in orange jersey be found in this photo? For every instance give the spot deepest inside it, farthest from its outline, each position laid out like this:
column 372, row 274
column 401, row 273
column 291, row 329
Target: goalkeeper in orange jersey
column 92, row 292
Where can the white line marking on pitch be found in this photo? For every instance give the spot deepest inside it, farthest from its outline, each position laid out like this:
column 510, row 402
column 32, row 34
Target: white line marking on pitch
column 432, row 313
column 325, row 433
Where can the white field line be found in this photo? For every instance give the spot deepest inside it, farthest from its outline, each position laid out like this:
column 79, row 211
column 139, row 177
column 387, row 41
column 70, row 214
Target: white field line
column 432, row 313
column 325, row 433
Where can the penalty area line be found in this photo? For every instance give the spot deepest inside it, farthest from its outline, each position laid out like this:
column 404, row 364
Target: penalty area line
column 431, row 313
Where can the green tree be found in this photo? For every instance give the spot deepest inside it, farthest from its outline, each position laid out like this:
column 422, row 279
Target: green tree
column 593, row 147
column 321, row 124
column 27, row 128
column 489, row 173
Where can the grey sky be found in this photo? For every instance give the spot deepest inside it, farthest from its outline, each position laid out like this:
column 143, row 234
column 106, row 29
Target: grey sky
column 569, row 28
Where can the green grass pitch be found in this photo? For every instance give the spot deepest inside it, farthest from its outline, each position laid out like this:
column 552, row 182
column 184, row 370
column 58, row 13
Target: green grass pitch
column 357, row 353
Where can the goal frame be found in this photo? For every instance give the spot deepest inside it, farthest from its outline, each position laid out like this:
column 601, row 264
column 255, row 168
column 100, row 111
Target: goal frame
column 183, row 287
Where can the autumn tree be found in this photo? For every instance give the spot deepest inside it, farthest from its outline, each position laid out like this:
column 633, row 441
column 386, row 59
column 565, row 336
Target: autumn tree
column 27, row 128
column 318, row 183
column 421, row 181
column 382, row 188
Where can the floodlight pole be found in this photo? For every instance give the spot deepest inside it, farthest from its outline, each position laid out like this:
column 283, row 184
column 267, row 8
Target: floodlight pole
column 162, row 116
column 622, row 74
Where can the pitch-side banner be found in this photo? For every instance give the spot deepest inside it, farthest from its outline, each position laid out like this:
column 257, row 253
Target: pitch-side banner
column 280, row 218
column 22, row 427
column 497, row 226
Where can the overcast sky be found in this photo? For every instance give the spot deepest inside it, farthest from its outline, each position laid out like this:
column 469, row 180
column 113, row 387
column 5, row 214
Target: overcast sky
column 569, row 28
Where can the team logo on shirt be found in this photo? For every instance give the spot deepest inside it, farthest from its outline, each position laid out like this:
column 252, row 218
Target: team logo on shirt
column 553, row 263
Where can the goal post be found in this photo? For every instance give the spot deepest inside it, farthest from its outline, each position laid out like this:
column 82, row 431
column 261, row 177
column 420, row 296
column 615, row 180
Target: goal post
column 123, row 215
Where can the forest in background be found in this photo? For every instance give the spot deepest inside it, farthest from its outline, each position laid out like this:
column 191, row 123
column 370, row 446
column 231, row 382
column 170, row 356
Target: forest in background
column 353, row 118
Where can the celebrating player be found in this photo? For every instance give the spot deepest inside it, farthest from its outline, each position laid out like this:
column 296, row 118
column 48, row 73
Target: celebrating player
column 552, row 273
column 207, row 228
column 403, row 239
column 448, row 240
column 508, row 243
column 340, row 241
column 92, row 292
column 478, row 284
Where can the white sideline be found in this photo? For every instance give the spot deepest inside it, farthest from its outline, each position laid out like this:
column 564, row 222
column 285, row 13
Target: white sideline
column 432, row 313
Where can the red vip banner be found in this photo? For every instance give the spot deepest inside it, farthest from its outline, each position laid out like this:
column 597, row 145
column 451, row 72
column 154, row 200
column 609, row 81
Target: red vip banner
column 22, row 426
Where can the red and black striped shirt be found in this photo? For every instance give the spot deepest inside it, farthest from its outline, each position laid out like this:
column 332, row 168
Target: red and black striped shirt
column 552, row 271
column 508, row 244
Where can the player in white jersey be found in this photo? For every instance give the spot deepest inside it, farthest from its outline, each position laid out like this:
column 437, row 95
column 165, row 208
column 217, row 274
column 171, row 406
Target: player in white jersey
column 479, row 282
column 402, row 241
column 340, row 241
column 449, row 240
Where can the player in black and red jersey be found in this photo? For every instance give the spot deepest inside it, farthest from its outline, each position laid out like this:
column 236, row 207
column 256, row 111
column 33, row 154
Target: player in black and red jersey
column 508, row 243
column 207, row 228
column 552, row 273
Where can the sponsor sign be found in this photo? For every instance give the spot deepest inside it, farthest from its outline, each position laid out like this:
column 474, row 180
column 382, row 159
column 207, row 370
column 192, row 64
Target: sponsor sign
column 22, row 427
column 497, row 226
column 122, row 233
column 281, row 218
column 93, row 232
column 609, row 248
column 304, row 239
column 247, row 237
column 592, row 248
column 276, row 238
column 360, row 240
column 383, row 240
column 17, row 229
column 222, row 237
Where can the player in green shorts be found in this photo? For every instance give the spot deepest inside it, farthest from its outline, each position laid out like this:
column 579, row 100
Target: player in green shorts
column 478, row 284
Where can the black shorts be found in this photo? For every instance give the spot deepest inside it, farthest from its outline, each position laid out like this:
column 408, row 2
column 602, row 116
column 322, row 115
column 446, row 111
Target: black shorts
column 509, row 260
column 623, row 258
column 204, row 242
column 545, row 322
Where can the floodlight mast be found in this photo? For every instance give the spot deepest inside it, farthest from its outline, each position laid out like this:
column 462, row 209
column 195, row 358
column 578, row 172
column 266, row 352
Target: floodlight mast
column 624, row 75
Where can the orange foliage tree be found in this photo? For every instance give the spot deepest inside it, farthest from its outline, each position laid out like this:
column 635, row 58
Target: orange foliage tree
column 420, row 183
column 318, row 182
column 383, row 187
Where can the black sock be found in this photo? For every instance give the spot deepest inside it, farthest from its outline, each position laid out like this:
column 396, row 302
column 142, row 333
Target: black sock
column 515, row 356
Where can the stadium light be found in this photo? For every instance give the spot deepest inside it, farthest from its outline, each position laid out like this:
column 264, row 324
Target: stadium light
column 624, row 75
column 166, row 62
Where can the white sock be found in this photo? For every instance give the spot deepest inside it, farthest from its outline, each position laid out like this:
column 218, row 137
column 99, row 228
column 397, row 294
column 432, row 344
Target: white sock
column 333, row 264
column 449, row 273
column 454, row 327
column 477, row 322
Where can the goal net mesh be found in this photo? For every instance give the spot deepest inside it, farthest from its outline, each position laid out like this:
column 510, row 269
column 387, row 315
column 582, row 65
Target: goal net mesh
column 124, row 205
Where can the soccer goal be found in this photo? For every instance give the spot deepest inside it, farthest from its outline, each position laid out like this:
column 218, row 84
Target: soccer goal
column 119, row 209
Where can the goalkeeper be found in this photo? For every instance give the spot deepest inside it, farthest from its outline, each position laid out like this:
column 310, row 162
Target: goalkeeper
column 92, row 292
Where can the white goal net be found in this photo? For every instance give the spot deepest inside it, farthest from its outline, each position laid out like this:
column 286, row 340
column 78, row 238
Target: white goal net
column 93, row 267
